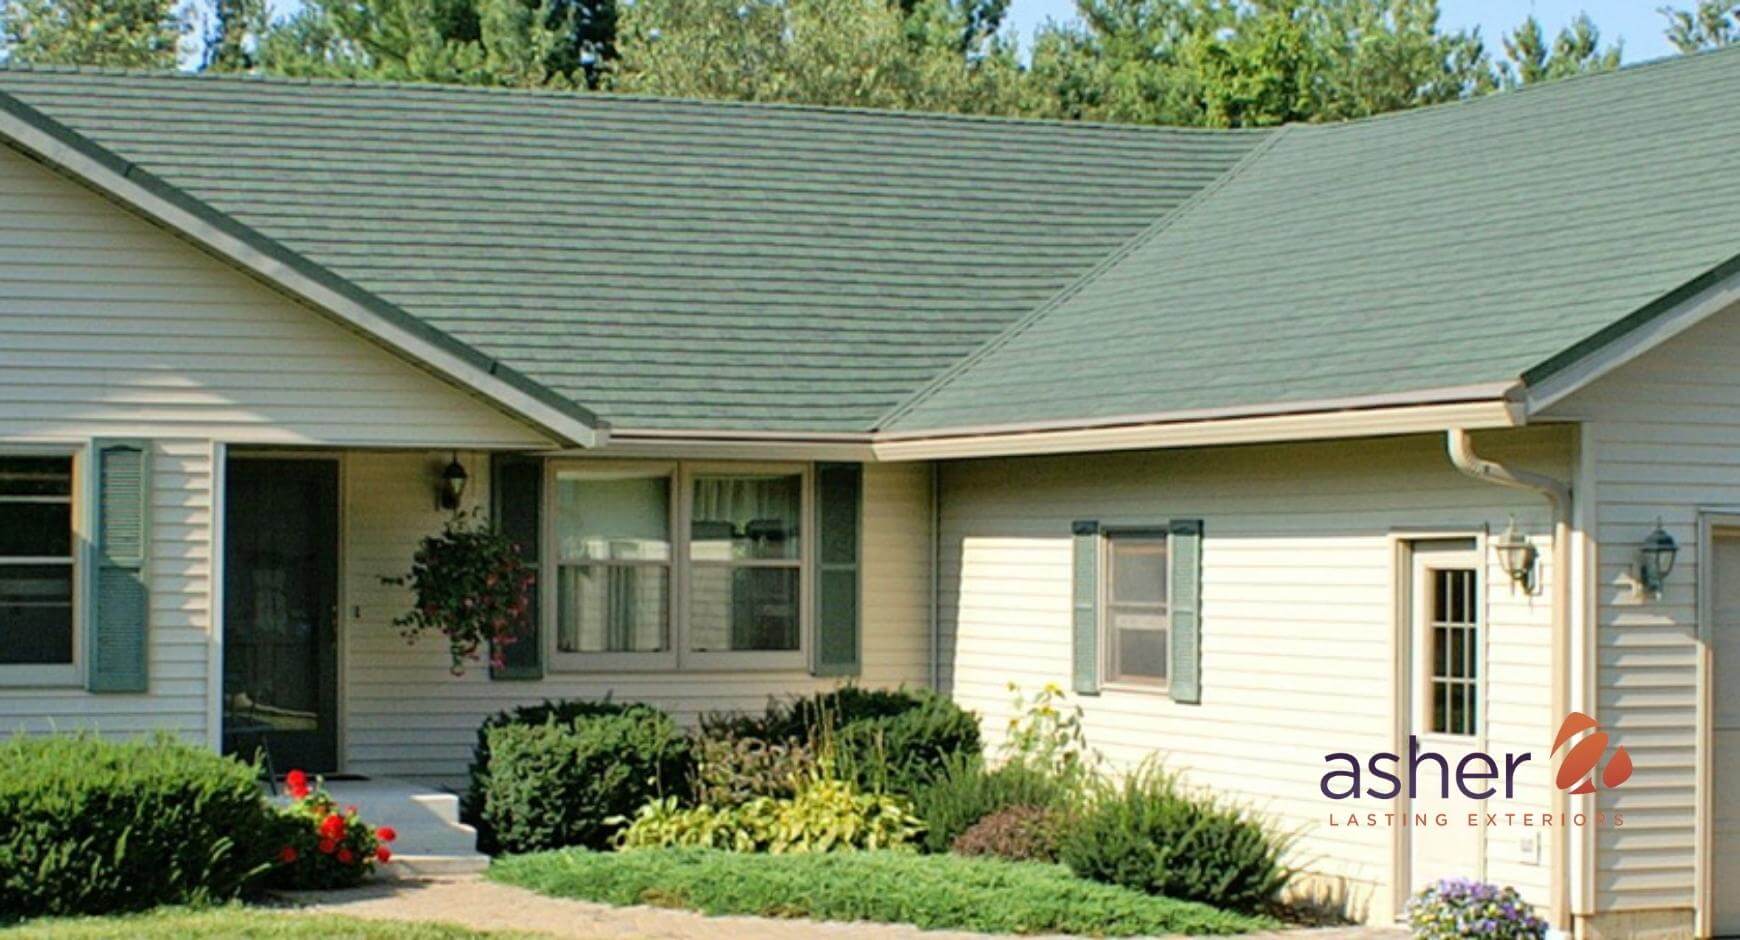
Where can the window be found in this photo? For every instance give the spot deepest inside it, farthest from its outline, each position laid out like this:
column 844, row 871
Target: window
column 36, row 563
column 745, row 554
column 613, row 551
column 1455, row 641
column 661, row 565
column 1137, row 623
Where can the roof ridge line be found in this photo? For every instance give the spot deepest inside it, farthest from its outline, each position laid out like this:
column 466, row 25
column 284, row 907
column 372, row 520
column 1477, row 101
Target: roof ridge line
column 1152, row 231
column 132, row 172
column 563, row 94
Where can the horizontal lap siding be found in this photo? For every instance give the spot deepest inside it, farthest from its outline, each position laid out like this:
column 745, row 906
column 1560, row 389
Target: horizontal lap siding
column 406, row 716
column 1665, row 434
column 111, row 327
column 1297, row 604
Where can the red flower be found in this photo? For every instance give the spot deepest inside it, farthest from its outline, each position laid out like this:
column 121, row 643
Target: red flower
column 287, row 854
column 345, row 857
column 384, row 854
column 350, row 809
column 332, row 827
column 328, row 846
column 386, row 834
column 297, row 782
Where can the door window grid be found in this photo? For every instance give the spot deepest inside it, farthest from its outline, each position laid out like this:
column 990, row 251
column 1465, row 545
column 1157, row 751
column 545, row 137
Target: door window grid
column 1455, row 645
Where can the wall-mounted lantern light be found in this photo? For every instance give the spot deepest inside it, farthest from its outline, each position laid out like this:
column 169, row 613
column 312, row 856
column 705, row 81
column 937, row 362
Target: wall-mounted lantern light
column 1517, row 554
column 1655, row 559
column 452, row 488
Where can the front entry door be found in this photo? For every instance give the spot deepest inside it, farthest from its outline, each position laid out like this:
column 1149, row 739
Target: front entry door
column 1447, row 709
column 280, row 612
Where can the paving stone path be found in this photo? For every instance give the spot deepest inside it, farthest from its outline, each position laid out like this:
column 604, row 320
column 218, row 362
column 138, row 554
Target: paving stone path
column 484, row 905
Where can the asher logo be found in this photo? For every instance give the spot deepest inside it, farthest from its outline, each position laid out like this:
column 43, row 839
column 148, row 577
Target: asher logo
column 1578, row 768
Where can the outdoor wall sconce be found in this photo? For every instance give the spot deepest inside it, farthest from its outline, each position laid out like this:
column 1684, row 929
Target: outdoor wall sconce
column 1655, row 559
column 452, row 485
column 1517, row 554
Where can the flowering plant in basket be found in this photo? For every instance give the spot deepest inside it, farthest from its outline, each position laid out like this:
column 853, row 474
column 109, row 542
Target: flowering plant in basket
column 470, row 584
column 1460, row 907
column 324, row 845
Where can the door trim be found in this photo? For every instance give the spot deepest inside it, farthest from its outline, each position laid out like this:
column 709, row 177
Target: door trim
column 1711, row 522
column 341, row 587
column 1404, row 545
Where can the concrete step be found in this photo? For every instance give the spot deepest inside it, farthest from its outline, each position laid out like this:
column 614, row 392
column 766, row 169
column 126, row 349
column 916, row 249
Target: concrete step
column 431, row 841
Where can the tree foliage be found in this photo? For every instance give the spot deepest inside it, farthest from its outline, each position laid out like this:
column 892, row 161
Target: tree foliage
column 1576, row 51
column 115, row 33
column 1709, row 25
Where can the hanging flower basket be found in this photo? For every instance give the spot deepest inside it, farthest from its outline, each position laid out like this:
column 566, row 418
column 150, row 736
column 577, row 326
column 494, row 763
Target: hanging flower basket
column 469, row 584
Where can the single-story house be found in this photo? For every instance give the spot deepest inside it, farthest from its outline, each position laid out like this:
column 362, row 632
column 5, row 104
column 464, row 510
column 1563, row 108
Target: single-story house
column 1353, row 447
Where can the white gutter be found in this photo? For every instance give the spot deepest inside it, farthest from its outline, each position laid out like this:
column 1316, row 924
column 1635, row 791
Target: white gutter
column 1558, row 495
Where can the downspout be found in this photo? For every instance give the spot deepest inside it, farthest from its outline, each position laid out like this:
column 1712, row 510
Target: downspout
column 935, row 576
column 1558, row 494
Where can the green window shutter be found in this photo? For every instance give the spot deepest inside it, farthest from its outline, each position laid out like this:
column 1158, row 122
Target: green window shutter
column 119, row 598
column 1085, row 591
column 840, row 499
column 517, row 490
column 1185, row 549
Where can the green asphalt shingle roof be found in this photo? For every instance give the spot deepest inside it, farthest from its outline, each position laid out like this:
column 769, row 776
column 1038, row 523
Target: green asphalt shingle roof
column 730, row 267
column 1450, row 246
column 665, row 264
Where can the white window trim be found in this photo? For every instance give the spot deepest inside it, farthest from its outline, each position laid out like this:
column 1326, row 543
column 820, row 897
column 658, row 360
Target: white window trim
column 678, row 656
column 1110, row 681
column 68, row 675
column 1426, row 562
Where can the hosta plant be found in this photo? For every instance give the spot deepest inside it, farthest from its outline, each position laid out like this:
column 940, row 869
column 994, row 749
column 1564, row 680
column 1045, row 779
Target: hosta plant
column 324, row 845
column 825, row 815
column 1461, row 907
column 468, row 583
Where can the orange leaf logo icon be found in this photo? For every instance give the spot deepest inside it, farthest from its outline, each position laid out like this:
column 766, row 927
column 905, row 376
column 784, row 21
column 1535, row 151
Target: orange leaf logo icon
column 1578, row 768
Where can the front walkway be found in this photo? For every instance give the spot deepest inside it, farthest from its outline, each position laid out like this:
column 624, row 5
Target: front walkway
column 484, row 905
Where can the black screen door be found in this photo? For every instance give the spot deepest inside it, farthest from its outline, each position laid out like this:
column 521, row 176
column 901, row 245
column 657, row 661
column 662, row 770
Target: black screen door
column 280, row 611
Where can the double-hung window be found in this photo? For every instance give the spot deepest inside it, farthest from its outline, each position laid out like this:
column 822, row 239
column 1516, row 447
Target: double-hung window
column 37, row 570
column 661, row 565
column 1136, row 625
column 613, row 549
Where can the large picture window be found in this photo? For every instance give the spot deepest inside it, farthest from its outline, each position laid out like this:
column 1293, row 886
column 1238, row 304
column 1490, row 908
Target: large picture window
column 36, row 564
column 1136, row 630
column 660, row 565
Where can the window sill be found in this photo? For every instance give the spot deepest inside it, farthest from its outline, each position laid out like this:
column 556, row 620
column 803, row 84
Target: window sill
column 23, row 676
column 1162, row 690
column 711, row 662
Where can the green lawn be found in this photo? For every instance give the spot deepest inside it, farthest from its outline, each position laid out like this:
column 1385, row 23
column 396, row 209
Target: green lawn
column 174, row 923
column 931, row 891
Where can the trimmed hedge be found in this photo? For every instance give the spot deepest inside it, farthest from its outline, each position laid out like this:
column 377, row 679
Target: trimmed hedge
column 930, row 891
column 568, row 773
column 92, row 827
column 894, row 741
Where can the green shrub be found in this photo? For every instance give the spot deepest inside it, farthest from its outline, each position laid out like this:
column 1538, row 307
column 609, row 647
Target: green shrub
column 1148, row 834
column 1017, row 833
column 824, row 816
column 568, row 773
column 321, row 844
column 930, row 891
column 967, row 792
column 892, row 741
column 93, row 827
column 562, row 712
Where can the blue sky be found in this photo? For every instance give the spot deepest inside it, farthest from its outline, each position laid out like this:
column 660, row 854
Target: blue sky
column 1634, row 21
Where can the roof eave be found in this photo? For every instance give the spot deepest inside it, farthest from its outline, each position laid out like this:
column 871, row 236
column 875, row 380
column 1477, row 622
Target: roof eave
column 1623, row 341
column 54, row 143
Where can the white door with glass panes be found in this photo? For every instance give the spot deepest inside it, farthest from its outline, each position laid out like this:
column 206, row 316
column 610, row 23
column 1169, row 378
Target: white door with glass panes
column 1136, row 613
column 1447, row 709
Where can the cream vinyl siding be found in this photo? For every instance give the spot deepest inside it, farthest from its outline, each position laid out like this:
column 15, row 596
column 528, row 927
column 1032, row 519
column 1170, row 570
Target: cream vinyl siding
column 1297, row 605
column 111, row 327
column 1664, row 435
column 404, row 715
